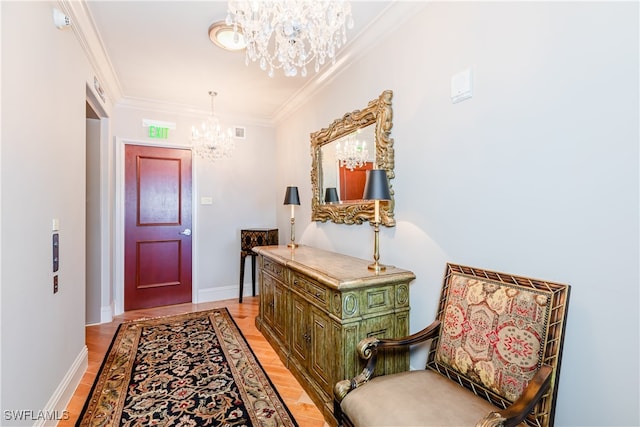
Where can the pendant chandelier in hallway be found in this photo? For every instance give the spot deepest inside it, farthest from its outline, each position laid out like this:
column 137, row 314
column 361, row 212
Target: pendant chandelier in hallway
column 210, row 142
column 290, row 34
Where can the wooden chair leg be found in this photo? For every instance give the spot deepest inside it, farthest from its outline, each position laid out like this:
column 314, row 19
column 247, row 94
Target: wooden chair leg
column 253, row 274
column 337, row 413
column 242, row 258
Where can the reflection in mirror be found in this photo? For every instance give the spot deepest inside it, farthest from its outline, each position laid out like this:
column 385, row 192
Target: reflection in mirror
column 331, row 195
column 342, row 153
column 345, row 162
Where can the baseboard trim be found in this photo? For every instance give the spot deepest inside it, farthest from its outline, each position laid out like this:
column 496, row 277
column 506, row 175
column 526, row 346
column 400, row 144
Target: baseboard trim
column 222, row 293
column 106, row 313
column 57, row 404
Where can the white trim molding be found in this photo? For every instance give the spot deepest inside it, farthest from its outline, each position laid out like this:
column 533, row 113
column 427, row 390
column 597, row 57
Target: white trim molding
column 223, row 293
column 106, row 313
column 85, row 30
column 55, row 408
column 390, row 18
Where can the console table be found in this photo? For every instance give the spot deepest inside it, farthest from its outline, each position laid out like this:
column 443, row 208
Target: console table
column 315, row 306
column 250, row 238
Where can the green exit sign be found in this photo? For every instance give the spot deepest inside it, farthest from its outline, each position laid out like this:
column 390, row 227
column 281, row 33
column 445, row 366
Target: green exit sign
column 158, row 132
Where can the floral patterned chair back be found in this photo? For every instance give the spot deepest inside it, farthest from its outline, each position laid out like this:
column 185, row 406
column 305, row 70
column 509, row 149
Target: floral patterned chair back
column 496, row 332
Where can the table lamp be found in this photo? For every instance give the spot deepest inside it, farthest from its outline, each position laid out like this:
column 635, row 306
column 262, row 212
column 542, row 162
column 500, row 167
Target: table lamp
column 291, row 198
column 376, row 188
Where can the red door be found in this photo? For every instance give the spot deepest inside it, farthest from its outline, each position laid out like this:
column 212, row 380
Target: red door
column 352, row 181
column 157, row 264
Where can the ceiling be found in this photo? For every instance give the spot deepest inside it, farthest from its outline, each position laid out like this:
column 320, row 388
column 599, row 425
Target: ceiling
column 160, row 52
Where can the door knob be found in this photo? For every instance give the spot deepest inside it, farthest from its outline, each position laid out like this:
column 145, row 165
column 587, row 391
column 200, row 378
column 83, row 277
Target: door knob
column 186, row 232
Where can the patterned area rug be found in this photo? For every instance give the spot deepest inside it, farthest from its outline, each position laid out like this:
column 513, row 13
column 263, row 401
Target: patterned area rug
column 193, row 369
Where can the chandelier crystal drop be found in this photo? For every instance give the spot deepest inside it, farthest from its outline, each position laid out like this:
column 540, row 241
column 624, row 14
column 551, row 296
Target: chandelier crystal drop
column 210, row 142
column 352, row 153
column 290, row 34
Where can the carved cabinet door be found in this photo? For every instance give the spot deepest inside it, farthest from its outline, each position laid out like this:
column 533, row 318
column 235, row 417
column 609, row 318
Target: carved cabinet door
column 267, row 304
column 280, row 310
column 322, row 349
column 313, row 342
column 299, row 329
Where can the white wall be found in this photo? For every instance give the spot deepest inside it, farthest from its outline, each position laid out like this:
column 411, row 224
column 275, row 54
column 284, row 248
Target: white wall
column 240, row 187
column 44, row 90
column 536, row 175
column 93, row 289
column 44, row 75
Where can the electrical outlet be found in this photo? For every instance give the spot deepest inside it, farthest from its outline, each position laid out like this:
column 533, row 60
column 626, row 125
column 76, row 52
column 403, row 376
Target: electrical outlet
column 55, row 284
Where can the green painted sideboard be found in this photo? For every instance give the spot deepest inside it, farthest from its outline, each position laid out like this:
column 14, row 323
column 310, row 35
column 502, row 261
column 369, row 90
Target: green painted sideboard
column 315, row 306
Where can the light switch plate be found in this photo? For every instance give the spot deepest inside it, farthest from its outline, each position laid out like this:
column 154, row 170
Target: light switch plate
column 56, row 252
column 206, row 200
column 461, row 87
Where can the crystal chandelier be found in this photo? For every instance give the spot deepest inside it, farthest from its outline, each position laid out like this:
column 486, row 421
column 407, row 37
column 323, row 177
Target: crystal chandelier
column 352, row 153
column 290, row 34
column 210, row 142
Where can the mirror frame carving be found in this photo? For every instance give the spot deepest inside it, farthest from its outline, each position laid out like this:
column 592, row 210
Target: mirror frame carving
column 380, row 113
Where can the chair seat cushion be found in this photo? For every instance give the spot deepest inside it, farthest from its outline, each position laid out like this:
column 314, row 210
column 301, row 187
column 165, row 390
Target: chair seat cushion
column 414, row 398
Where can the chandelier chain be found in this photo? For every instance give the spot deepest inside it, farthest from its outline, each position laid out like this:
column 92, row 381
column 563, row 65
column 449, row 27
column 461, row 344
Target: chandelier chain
column 210, row 142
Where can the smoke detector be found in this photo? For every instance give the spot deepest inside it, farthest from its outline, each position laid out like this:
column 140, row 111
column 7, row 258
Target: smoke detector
column 61, row 20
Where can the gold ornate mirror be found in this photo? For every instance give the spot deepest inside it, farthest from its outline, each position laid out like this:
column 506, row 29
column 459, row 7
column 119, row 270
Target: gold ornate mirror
column 341, row 154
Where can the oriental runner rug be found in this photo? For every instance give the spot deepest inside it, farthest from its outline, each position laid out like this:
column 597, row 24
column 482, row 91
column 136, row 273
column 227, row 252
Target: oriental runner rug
column 193, row 369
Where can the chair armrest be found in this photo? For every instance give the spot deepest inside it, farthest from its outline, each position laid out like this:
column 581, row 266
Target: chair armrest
column 368, row 350
column 518, row 410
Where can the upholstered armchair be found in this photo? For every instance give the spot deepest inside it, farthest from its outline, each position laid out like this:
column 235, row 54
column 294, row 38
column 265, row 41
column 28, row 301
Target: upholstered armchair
column 494, row 359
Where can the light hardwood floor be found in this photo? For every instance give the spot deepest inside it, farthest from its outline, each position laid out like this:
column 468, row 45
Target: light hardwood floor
column 98, row 339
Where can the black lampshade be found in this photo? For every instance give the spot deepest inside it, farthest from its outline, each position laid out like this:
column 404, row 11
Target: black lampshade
column 291, row 196
column 331, row 195
column 377, row 186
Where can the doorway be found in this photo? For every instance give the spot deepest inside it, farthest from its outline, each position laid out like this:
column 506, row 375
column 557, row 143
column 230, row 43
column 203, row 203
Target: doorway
column 98, row 302
column 92, row 218
column 352, row 181
column 157, row 226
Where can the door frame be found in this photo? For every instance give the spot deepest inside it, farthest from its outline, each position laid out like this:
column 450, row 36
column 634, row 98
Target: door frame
column 104, row 187
column 118, row 283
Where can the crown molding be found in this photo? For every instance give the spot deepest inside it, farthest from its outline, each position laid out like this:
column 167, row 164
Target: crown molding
column 156, row 106
column 85, row 30
column 376, row 31
column 83, row 25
